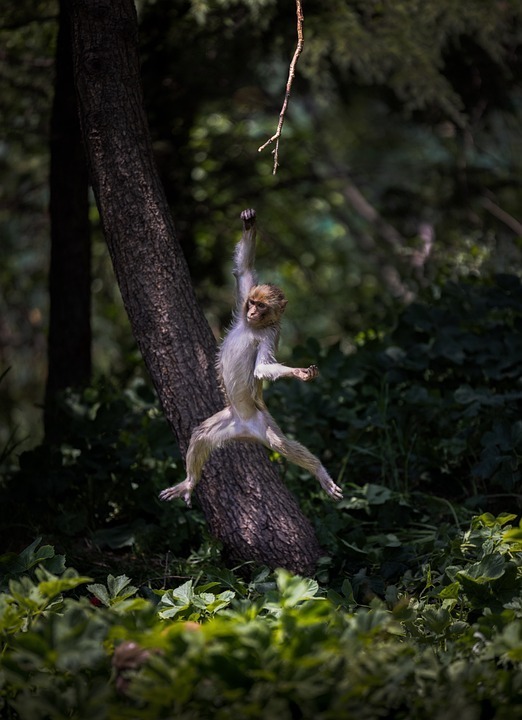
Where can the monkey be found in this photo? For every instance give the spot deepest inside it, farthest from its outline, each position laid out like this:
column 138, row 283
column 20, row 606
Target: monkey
column 246, row 358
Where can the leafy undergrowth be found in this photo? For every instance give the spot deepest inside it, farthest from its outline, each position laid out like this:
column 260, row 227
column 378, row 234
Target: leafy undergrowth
column 442, row 643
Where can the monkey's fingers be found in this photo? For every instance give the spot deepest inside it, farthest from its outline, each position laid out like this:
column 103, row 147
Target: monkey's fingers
column 313, row 372
column 334, row 491
column 307, row 374
column 248, row 217
column 181, row 490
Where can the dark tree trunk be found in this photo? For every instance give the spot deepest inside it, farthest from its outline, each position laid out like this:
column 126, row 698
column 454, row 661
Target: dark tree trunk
column 69, row 344
column 246, row 505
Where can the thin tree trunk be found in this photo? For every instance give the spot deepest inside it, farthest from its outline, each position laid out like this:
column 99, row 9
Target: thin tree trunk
column 247, row 507
column 69, row 342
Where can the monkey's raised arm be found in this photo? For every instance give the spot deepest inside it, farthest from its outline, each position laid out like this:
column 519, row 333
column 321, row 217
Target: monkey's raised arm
column 244, row 257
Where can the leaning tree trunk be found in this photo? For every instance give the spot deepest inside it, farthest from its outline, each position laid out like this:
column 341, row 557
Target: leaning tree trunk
column 246, row 505
column 69, row 342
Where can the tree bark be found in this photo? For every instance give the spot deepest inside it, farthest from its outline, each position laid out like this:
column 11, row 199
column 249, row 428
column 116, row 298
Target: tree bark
column 69, row 341
column 246, row 505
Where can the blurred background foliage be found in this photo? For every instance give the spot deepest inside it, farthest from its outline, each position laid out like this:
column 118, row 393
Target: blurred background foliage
column 400, row 166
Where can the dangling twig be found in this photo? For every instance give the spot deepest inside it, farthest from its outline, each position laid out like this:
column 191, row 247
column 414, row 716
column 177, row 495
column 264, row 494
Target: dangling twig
column 291, row 75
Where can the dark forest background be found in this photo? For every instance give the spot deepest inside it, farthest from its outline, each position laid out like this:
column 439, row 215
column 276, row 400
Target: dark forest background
column 400, row 167
column 394, row 224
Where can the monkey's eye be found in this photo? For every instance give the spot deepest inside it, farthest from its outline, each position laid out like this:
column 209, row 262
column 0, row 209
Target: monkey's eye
column 261, row 305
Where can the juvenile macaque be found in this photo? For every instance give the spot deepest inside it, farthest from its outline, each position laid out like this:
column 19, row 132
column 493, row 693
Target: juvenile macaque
column 245, row 359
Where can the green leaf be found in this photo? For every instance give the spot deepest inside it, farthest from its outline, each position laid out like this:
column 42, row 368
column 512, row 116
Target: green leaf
column 513, row 535
column 220, row 601
column 31, row 557
column 295, row 589
column 490, row 521
column 201, row 600
column 437, row 619
column 504, row 518
column 347, row 591
column 56, row 586
column 184, row 593
column 450, row 591
column 118, row 590
column 491, row 567
column 100, row 592
column 117, row 586
column 176, row 601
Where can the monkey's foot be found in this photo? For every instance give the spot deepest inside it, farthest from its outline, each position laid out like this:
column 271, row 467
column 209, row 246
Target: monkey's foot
column 248, row 217
column 328, row 485
column 334, row 491
column 181, row 490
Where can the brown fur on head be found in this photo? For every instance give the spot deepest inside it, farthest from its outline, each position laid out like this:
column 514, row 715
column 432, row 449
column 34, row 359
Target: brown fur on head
column 265, row 305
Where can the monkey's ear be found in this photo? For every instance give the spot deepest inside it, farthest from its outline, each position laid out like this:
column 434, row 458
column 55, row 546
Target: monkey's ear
column 283, row 305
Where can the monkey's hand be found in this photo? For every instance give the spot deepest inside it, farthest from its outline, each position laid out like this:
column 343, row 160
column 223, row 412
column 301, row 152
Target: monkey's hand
column 182, row 490
column 249, row 218
column 306, row 374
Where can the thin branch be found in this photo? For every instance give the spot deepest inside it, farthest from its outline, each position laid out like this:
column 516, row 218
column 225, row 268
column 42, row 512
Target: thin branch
column 291, row 75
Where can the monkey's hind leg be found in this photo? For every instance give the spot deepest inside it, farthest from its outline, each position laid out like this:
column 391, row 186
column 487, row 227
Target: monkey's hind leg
column 298, row 454
column 210, row 434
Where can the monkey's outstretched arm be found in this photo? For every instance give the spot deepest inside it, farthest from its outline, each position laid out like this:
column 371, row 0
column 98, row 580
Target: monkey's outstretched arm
column 244, row 257
column 274, row 371
column 267, row 367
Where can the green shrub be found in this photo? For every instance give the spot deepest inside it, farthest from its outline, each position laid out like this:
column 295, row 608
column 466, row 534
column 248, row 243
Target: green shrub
column 447, row 642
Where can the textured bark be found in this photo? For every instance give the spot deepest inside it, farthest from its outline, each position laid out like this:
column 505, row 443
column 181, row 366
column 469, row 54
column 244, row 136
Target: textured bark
column 69, row 343
column 247, row 507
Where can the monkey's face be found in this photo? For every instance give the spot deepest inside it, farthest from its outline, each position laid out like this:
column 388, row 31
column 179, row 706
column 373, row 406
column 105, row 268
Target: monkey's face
column 264, row 306
column 257, row 313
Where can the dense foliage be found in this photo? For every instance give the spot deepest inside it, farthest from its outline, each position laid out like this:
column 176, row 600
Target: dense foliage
column 218, row 646
column 435, row 404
